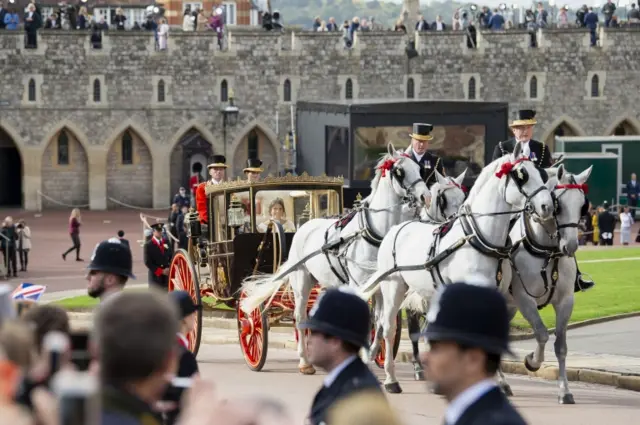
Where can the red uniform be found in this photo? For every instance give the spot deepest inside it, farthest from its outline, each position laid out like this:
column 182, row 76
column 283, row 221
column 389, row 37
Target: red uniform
column 201, row 203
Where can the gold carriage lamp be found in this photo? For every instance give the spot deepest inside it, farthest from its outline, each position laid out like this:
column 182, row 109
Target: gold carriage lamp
column 358, row 200
column 235, row 213
column 306, row 214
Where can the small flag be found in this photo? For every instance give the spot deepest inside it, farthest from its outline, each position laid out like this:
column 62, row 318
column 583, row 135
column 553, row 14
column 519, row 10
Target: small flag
column 29, row 291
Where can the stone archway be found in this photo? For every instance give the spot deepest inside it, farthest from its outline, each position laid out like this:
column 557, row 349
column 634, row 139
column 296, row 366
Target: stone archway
column 192, row 147
column 65, row 171
column 129, row 172
column 624, row 127
column 562, row 127
column 11, row 171
column 255, row 143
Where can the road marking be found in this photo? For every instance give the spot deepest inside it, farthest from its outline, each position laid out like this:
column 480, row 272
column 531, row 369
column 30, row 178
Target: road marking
column 608, row 260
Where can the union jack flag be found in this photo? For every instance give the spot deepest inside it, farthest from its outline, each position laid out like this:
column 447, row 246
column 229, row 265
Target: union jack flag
column 28, row 291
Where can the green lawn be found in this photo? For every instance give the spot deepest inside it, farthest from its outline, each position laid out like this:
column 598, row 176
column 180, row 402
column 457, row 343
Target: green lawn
column 85, row 302
column 617, row 288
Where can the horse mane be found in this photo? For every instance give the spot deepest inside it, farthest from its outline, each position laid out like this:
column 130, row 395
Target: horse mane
column 378, row 176
column 484, row 176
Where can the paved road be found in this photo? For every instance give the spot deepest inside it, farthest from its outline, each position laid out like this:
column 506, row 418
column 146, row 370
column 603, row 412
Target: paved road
column 535, row 398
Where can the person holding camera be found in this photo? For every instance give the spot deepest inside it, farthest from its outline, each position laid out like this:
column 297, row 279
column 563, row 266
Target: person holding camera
column 24, row 244
column 10, row 237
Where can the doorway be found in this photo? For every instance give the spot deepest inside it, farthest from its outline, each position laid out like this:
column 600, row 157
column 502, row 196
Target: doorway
column 10, row 173
column 617, row 149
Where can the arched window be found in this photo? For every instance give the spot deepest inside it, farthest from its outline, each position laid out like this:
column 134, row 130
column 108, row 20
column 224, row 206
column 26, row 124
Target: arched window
column 595, row 86
column 533, row 87
column 32, row 90
column 348, row 89
column 224, row 91
column 127, row 148
column 410, row 88
column 620, row 130
column 96, row 91
column 63, row 148
column 161, row 93
column 287, row 90
column 472, row 89
column 252, row 145
column 559, row 131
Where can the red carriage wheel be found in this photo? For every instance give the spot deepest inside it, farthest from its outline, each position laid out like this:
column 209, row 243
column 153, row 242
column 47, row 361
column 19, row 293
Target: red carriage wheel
column 183, row 277
column 253, row 334
column 382, row 351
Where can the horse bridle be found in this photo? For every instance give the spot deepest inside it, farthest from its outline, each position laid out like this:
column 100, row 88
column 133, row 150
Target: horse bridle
column 521, row 176
column 556, row 202
column 399, row 174
column 441, row 199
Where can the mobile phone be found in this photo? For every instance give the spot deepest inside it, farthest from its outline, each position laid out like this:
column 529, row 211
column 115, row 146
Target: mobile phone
column 181, row 382
column 78, row 397
column 80, row 354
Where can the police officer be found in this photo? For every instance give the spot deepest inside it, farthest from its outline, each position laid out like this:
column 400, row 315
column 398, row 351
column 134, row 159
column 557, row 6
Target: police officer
column 339, row 326
column 540, row 155
column 253, row 170
column 110, row 268
column 427, row 161
column 157, row 257
column 468, row 332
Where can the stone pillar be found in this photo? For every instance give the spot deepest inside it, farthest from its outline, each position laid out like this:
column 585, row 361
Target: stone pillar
column 409, row 15
column 31, row 178
column 161, row 179
column 97, row 159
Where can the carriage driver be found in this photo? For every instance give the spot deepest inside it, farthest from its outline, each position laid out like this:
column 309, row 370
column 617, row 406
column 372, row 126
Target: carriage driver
column 427, row 161
column 540, row 155
column 253, row 170
column 110, row 268
column 217, row 170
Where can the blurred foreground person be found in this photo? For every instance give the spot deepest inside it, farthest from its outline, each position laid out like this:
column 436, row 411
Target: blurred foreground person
column 339, row 326
column 365, row 408
column 135, row 335
column 110, row 268
column 468, row 332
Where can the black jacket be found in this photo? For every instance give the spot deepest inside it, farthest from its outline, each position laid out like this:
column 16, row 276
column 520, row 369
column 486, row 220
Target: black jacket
column 354, row 378
column 156, row 260
column 540, row 153
column 187, row 367
column 122, row 408
column 606, row 222
column 428, row 164
column 493, row 408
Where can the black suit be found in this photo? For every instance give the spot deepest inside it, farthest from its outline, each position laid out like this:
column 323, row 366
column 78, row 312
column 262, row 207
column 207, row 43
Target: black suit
column 125, row 242
column 354, row 378
column 188, row 367
column 493, row 408
column 157, row 259
column 428, row 164
column 540, row 153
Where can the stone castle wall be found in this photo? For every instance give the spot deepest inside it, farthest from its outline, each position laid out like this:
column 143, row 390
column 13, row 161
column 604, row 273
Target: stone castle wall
column 128, row 70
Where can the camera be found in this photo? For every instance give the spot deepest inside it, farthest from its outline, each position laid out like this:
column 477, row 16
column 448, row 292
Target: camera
column 20, row 226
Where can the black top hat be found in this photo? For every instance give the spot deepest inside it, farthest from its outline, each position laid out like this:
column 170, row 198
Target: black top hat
column 525, row 117
column 340, row 314
column 422, row 132
column 196, row 168
column 184, row 302
column 254, row 165
column 157, row 226
column 218, row 161
column 112, row 256
column 470, row 315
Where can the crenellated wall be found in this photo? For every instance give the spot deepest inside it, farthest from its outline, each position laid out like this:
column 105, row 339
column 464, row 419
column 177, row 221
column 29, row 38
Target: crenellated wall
column 64, row 69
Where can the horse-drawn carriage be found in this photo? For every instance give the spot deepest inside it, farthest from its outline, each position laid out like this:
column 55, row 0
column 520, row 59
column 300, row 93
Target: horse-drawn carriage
column 241, row 239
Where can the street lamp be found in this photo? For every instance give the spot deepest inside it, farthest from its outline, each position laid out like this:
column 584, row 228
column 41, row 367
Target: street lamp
column 229, row 117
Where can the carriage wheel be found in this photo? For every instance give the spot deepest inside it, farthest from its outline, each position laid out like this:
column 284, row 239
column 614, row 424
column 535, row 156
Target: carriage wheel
column 253, row 334
column 382, row 352
column 183, row 277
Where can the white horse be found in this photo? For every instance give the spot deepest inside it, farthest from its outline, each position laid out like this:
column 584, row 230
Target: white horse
column 474, row 246
column 548, row 248
column 331, row 256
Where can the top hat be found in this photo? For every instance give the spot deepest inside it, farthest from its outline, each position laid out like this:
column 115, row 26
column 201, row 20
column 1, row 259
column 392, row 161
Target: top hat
column 112, row 256
column 218, row 161
column 157, row 226
column 342, row 315
column 185, row 303
column 525, row 117
column 422, row 132
column 470, row 315
column 196, row 168
column 254, row 165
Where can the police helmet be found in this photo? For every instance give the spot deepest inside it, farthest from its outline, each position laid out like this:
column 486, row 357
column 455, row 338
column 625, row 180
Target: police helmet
column 112, row 256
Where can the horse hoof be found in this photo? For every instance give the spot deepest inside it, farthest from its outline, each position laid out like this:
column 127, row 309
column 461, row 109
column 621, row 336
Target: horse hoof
column 506, row 389
column 393, row 388
column 307, row 370
column 419, row 375
column 566, row 399
column 527, row 363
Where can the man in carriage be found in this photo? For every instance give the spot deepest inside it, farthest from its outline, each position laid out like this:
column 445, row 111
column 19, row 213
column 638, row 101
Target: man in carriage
column 217, row 172
column 541, row 156
column 418, row 151
column 253, row 170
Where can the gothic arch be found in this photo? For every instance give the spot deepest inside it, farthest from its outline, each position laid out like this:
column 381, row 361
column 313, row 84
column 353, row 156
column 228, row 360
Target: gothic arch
column 75, row 131
column 193, row 124
column 628, row 119
column 128, row 124
column 15, row 136
column 271, row 136
column 566, row 120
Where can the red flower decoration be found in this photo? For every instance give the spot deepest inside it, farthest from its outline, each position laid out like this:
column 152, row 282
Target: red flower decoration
column 386, row 165
column 583, row 187
column 508, row 166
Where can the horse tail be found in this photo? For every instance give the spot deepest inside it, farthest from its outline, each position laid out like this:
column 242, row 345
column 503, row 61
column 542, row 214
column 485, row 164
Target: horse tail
column 371, row 286
column 414, row 302
column 260, row 288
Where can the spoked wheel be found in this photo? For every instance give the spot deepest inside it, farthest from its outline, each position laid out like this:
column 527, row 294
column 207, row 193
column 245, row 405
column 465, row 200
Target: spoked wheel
column 382, row 352
column 183, row 277
column 253, row 333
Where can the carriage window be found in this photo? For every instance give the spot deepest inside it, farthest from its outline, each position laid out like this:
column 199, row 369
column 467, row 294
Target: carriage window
column 276, row 205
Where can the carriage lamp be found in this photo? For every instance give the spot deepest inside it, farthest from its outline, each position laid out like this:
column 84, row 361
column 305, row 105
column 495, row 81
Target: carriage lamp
column 358, row 201
column 235, row 213
column 306, row 214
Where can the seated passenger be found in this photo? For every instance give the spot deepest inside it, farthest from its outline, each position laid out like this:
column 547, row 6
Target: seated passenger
column 278, row 213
